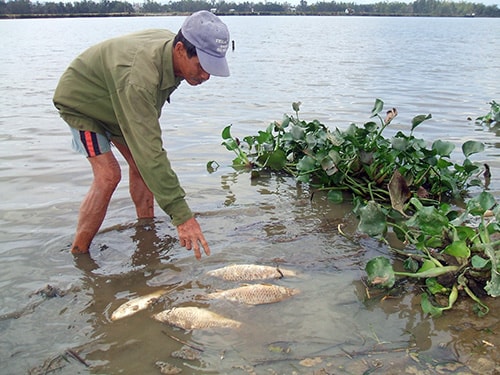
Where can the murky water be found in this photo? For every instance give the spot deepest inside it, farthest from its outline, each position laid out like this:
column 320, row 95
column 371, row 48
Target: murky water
column 336, row 66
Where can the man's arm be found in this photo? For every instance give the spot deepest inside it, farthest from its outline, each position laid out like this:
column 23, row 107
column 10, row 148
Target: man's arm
column 138, row 119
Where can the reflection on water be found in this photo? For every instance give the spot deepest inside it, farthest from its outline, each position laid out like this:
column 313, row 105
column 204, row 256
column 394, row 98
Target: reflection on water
column 448, row 67
column 330, row 325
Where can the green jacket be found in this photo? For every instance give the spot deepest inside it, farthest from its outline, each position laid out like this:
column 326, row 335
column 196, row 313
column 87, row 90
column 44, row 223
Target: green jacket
column 119, row 87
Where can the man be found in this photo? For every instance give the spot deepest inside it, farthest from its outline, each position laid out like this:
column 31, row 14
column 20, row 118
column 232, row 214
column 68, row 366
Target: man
column 113, row 93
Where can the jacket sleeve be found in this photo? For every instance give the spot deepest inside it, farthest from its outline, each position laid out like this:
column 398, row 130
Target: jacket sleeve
column 138, row 116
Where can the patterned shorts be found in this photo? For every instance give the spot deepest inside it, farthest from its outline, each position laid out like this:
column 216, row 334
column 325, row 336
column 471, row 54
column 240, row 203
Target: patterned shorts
column 89, row 143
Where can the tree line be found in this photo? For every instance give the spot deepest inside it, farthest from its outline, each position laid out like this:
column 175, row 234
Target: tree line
column 433, row 8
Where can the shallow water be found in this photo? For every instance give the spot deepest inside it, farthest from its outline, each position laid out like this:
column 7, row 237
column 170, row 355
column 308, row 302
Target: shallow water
column 336, row 66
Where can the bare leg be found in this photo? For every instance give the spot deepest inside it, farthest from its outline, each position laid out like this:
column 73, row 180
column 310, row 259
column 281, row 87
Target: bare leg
column 141, row 195
column 93, row 209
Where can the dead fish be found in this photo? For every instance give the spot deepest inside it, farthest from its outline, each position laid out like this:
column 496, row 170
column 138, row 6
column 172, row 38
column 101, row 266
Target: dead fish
column 241, row 272
column 136, row 305
column 191, row 317
column 255, row 294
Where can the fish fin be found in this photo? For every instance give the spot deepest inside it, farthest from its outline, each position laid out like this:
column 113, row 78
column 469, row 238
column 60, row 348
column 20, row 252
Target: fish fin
column 279, row 271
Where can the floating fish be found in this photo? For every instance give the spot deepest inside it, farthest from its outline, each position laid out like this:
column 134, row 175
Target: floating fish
column 191, row 317
column 242, row 272
column 136, row 305
column 255, row 294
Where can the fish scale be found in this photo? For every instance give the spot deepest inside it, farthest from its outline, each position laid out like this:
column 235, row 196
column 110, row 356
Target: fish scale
column 191, row 317
column 255, row 294
column 248, row 272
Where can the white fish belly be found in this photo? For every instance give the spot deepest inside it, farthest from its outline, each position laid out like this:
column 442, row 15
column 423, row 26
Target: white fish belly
column 136, row 305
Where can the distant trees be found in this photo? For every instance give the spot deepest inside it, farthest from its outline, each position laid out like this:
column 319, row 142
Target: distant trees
column 443, row 8
column 153, row 7
column 435, row 8
column 18, row 7
column 26, row 7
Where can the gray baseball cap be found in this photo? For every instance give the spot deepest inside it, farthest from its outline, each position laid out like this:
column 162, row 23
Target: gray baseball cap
column 210, row 36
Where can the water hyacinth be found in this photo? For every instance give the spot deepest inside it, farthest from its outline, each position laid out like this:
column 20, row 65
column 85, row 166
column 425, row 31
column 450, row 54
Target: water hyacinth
column 398, row 185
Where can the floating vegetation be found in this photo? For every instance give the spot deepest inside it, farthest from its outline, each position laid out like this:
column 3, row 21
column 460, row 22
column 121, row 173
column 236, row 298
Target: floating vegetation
column 399, row 185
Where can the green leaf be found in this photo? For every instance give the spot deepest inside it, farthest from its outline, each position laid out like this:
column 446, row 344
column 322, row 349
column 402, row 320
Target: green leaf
column 212, row 166
column 380, row 272
column 284, row 122
column 458, row 249
column 417, row 120
column 434, row 241
column 226, row 132
column 443, row 148
column 426, row 266
column 480, row 263
column 465, row 232
column 410, row 264
column 230, row 144
column 443, row 164
column 377, row 107
column 305, row 178
column 264, row 137
column 351, row 131
column 435, row 311
column 429, row 308
column 435, row 287
column 297, row 132
column 429, row 219
column 480, row 203
column 335, row 196
column 493, row 285
column 296, row 106
column 276, row 160
column 306, row 164
column 371, row 126
column 472, row 147
column 398, row 143
column 372, row 219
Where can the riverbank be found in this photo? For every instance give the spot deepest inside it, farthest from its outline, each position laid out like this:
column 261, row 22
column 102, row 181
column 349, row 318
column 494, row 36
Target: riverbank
column 167, row 14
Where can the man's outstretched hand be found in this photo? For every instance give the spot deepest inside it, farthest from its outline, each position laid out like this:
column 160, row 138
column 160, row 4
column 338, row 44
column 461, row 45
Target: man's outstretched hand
column 190, row 237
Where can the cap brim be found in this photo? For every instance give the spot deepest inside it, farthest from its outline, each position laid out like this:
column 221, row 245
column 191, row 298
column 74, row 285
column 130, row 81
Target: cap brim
column 215, row 66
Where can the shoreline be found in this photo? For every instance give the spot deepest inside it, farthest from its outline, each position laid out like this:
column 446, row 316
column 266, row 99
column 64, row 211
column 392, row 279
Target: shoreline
column 171, row 14
column 108, row 15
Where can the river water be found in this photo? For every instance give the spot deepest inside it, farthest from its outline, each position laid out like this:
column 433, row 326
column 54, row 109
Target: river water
column 337, row 67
